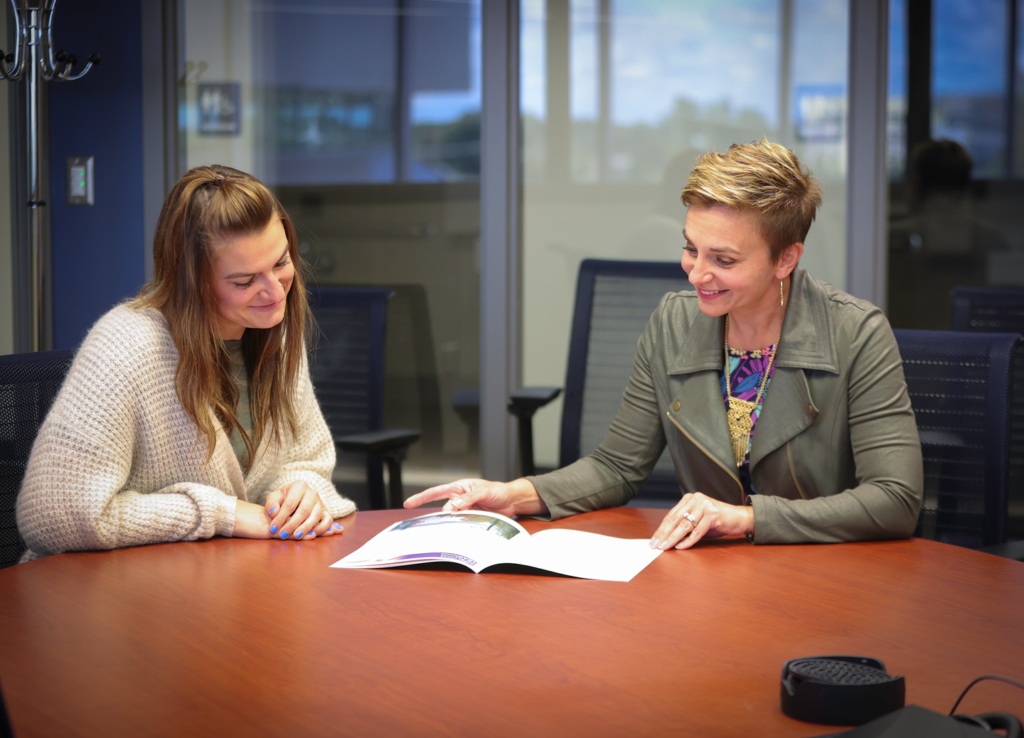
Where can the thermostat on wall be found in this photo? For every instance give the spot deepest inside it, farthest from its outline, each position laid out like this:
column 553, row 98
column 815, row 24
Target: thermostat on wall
column 80, row 190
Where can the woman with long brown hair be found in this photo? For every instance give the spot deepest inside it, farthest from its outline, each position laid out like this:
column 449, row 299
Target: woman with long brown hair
column 188, row 411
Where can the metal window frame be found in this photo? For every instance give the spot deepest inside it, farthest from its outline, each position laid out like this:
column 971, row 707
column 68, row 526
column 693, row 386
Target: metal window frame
column 161, row 139
column 500, row 236
column 867, row 195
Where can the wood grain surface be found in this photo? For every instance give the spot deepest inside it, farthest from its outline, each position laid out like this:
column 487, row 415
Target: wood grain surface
column 237, row 637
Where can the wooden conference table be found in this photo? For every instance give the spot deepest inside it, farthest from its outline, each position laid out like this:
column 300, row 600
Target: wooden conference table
column 235, row 637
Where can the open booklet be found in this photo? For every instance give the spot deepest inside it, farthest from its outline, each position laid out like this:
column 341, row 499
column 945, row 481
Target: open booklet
column 478, row 539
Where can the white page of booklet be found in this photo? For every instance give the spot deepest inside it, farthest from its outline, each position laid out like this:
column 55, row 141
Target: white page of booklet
column 444, row 537
column 585, row 555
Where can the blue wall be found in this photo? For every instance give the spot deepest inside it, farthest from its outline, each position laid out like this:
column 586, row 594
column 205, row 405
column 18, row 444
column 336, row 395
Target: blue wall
column 99, row 251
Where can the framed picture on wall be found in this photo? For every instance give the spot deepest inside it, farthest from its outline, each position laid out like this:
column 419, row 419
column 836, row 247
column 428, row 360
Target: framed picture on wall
column 220, row 108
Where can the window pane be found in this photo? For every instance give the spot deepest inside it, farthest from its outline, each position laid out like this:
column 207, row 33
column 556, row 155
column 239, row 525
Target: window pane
column 364, row 118
column 652, row 84
column 955, row 219
column 1018, row 89
column 689, row 76
column 588, row 126
column 896, row 108
column 445, row 104
column 969, row 79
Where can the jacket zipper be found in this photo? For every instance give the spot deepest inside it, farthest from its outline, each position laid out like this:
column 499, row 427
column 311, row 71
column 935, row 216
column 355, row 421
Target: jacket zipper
column 705, row 452
column 792, row 472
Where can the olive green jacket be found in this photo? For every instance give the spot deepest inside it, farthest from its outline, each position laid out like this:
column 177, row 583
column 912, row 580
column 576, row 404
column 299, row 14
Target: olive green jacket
column 835, row 453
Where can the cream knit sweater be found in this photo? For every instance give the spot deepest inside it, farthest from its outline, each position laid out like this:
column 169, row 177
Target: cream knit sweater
column 117, row 462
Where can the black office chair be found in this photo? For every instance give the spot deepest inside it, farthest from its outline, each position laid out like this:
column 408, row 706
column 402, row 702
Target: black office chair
column 959, row 386
column 614, row 301
column 28, row 386
column 410, row 377
column 985, row 310
column 347, row 370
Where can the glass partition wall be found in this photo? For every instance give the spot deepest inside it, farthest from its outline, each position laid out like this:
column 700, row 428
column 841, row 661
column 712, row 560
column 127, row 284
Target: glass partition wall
column 618, row 99
column 365, row 121
column 956, row 154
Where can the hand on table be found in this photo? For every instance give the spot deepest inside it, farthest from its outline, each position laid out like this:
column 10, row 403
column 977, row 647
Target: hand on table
column 710, row 519
column 505, row 498
column 294, row 512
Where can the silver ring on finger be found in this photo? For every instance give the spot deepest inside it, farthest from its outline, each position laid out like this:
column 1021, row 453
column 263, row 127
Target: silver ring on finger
column 693, row 520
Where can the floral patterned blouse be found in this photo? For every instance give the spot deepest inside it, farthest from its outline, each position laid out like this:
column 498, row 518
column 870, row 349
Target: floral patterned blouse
column 746, row 369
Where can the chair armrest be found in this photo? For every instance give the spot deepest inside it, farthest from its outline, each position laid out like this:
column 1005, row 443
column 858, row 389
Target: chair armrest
column 378, row 442
column 525, row 401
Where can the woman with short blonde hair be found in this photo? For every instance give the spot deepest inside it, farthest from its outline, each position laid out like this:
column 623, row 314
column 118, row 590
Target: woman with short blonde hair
column 781, row 399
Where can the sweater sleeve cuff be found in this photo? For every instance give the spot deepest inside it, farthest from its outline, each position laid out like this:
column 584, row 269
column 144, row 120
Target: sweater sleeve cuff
column 338, row 506
column 225, row 521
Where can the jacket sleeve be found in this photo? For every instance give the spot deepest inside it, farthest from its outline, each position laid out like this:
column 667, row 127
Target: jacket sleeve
column 613, row 473
column 311, row 454
column 74, row 496
column 886, row 451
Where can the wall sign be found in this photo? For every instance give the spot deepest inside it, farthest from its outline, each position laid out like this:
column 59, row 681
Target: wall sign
column 220, row 108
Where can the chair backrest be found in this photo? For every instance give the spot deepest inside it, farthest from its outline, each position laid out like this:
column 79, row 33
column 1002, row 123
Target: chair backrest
column 347, row 361
column 985, row 310
column 959, row 386
column 411, row 381
column 614, row 301
column 28, row 386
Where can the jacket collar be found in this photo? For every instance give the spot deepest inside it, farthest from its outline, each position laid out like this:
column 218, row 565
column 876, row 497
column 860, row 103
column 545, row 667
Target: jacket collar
column 807, row 342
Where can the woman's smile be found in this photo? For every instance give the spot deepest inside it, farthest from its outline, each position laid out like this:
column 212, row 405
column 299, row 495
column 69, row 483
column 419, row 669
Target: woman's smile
column 268, row 307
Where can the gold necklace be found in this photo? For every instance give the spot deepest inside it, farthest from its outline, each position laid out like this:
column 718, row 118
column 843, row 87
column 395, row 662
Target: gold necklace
column 739, row 412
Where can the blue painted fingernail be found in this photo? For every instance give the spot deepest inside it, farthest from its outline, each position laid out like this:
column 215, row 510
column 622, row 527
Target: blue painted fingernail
column 273, row 529
column 312, row 533
column 284, row 534
column 274, row 510
column 299, row 534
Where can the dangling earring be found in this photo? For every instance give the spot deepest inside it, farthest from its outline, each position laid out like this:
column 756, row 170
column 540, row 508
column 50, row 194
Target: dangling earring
column 782, row 299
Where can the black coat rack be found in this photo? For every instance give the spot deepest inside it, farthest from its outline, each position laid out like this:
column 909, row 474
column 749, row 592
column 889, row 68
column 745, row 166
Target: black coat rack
column 35, row 62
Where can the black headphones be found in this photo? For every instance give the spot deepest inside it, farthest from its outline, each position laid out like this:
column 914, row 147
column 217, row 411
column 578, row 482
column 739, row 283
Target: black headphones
column 839, row 690
column 857, row 690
